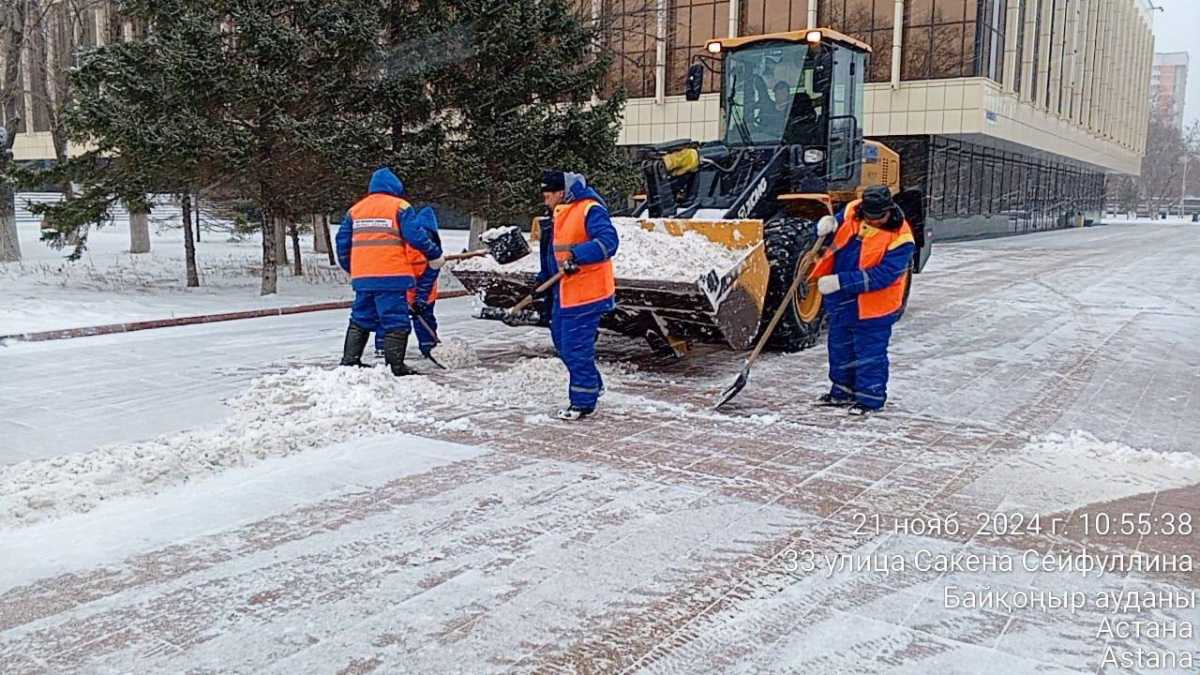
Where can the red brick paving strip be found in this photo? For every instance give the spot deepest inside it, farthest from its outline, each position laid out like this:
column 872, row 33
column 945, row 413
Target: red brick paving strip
column 108, row 329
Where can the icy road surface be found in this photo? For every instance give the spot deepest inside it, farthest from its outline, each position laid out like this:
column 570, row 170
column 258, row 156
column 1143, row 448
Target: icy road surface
column 240, row 508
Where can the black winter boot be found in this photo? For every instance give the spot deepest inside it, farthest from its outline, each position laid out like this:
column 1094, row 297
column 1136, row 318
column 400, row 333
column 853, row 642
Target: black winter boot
column 356, row 341
column 395, row 345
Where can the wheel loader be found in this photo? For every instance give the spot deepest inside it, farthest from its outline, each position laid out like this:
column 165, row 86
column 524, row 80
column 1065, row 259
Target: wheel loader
column 791, row 149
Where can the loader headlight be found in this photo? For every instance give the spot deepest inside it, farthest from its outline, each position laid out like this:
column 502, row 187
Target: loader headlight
column 714, row 47
column 814, row 156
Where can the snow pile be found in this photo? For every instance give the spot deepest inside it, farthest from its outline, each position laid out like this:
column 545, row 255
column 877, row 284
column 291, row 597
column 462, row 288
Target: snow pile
column 1082, row 444
column 1062, row 472
column 455, row 353
column 643, row 254
column 280, row 415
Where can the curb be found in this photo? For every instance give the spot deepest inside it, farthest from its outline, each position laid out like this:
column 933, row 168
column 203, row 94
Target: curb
column 109, row 329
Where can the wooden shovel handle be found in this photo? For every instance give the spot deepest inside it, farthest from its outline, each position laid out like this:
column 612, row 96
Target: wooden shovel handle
column 468, row 254
column 529, row 298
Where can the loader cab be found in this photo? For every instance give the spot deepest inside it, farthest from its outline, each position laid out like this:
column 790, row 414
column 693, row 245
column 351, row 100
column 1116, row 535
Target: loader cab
column 803, row 90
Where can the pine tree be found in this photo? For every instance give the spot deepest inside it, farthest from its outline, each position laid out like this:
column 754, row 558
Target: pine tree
column 484, row 94
column 254, row 97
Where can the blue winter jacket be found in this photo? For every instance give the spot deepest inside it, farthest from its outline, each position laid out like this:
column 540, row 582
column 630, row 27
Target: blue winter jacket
column 383, row 181
column 426, row 219
column 842, row 306
column 601, row 246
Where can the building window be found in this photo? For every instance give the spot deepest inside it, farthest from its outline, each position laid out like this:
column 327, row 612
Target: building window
column 1064, row 81
column 868, row 20
column 989, row 39
column 1020, row 55
column 629, row 29
column 773, row 16
column 939, row 38
column 693, row 24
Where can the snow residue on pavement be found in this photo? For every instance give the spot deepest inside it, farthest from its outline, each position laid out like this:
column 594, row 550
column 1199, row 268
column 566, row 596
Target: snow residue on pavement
column 1060, row 472
column 643, row 254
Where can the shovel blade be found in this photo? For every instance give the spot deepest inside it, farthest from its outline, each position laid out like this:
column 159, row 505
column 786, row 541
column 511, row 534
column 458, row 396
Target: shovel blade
column 734, row 389
column 435, row 361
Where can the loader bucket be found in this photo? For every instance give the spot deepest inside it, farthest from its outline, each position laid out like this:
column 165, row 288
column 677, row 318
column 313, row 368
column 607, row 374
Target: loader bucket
column 721, row 305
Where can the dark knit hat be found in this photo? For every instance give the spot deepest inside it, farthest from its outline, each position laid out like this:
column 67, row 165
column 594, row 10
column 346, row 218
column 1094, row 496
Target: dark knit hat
column 553, row 181
column 876, row 202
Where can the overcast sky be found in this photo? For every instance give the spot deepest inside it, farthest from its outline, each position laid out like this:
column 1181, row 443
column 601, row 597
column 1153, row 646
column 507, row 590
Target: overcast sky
column 1177, row 29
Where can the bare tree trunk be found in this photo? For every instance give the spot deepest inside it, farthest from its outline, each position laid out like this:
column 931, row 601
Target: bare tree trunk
column 328, row 242
column 189, row 245
column 12, row 22
column 297, row 263
column 320, row 234
column 139, row 230
column 10, row 244
column 270, row 275
column 478, row 225
column 199, row 220
column 281, row 254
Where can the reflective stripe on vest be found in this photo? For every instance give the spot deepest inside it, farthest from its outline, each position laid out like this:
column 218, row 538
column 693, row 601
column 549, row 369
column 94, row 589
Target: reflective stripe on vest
column 874, row 245
column 594, row 282
column 378, row 249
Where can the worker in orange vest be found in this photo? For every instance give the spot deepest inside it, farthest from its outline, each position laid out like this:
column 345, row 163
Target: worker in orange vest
column 581, row 243
column 424, row 293
column 862, row 278
column 376, row 244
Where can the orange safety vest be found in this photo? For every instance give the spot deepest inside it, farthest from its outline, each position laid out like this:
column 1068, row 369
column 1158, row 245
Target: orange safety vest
column 419, row 264
column 378, row 248
column 875, row 244
column 594, row 282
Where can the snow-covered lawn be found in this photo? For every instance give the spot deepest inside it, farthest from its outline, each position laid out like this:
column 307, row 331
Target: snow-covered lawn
column 109, row 285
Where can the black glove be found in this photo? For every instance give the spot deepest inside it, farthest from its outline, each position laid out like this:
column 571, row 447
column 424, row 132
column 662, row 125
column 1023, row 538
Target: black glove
column 420, row 308
column 569, row 266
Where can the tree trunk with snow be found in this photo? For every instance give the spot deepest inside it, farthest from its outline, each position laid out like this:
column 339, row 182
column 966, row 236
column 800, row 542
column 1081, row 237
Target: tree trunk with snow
column 297, row 263
column 270, row 275
column 139, row 230
column 329, row 247
column 10, row 242
column 281, row 243
column 478, row 225
column 189, row 244
column 320, row 234
column 199, row 220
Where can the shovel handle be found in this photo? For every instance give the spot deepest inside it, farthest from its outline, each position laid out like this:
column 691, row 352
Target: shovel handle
column 468, row 254
column 529, row 298
column 801, row 276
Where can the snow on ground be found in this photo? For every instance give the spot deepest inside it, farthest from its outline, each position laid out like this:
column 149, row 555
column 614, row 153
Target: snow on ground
column 642, row 254
column 1040, row 374
column 109, row 285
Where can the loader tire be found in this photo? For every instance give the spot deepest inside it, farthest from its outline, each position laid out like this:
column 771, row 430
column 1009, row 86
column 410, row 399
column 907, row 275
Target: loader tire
column 786, row 240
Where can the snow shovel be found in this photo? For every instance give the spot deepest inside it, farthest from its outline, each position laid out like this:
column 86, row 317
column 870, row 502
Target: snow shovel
column 802, row 272
column 505, row 244
column 497, row 314
column 436, row 340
